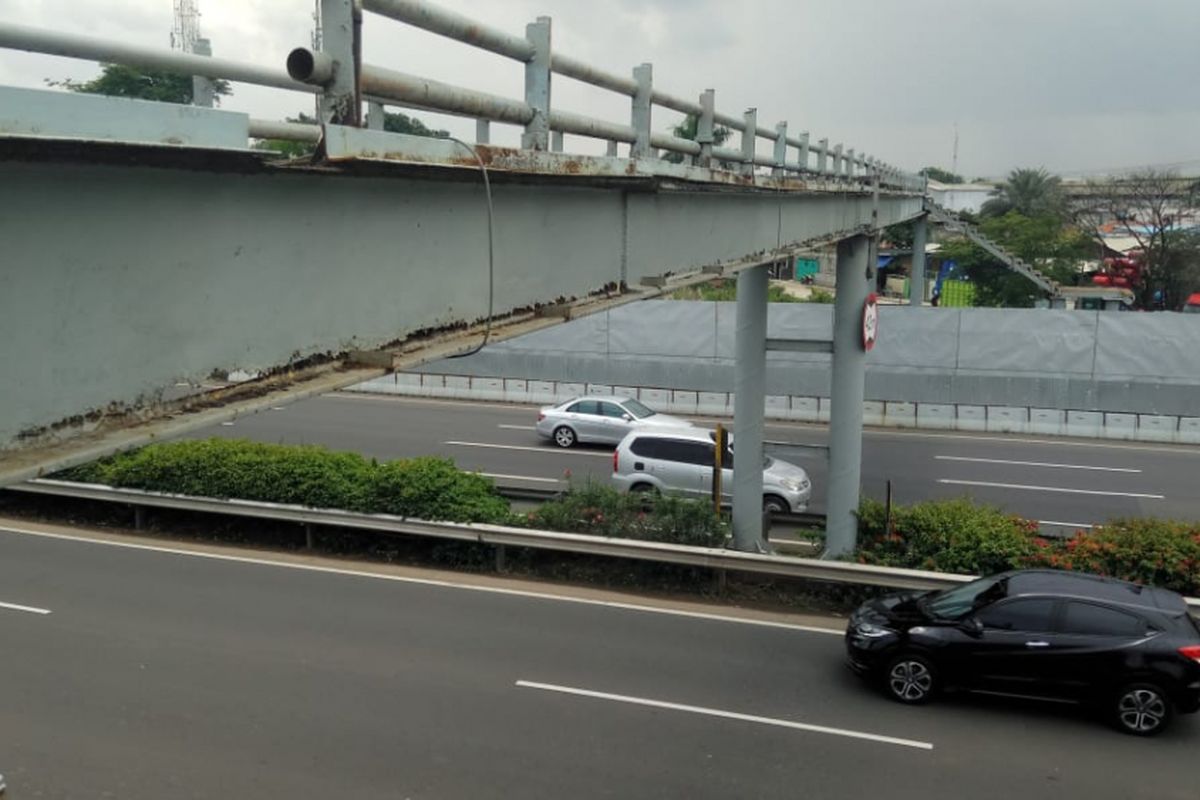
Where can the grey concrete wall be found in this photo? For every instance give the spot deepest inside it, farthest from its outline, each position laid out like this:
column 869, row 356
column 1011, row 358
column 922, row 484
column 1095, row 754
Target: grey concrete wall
column 117, row 281
column 1068, row 360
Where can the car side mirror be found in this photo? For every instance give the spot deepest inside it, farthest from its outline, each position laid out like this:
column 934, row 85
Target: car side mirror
column 971, row 626
column 627, row 417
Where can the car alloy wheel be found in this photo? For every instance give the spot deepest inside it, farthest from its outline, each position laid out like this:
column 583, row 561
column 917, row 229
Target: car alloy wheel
column 1142, row 709
column 564, row 436
column 910, row 679
column 774, row 505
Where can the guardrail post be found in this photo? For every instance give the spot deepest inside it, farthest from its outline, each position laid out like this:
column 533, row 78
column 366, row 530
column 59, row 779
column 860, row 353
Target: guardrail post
column 916, row 280
column 705, row 129
column 822, row 157
column 375, row 115
column 837, row 160
column 803, row 160
column 749, row 140
column 139, row 518
column 846, row 400
column 203, row 90
column 556, row 141
column 483, row 131
column 749, row 404
column 780, row 149
column 309, row 538
column 850, row 163
column 537, row 86
column 611, row 151
column 339, row 103
column 500, row 558
column 641, row 110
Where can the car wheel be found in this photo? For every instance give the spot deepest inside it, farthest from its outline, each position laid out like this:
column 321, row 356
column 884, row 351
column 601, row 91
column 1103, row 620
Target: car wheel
column 911, row 678
column 775, row 505
column 1142, row 709
column 564, row 436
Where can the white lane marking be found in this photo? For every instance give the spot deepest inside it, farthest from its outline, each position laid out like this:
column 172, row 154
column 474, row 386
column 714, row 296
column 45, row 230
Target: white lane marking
column 545, row 450
column 518, row 427
column 1082, row 525
column 524, row 408
column 266, row 562
column 1034, row 464
column 1063, row 442
column 519, row 477
column 30, row 609
column 1049, row 489
column 227, row 424
column 716, row 712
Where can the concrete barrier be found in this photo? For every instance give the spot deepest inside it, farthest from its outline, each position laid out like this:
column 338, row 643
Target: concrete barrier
column 970, row 418
column 899, row 414
column 1007, row 419
column 930, row 416
column 1047, row 421
column 935, row 416
column 1120, row 426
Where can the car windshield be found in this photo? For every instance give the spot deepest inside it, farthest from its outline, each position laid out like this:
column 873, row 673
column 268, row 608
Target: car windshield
column 637, row 409
column 962, row 600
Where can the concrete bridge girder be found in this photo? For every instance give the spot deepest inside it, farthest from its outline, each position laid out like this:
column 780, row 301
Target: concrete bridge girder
column 128, row 269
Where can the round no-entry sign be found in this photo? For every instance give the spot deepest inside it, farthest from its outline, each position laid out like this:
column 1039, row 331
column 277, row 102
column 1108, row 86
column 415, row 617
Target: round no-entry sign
column 870, row 322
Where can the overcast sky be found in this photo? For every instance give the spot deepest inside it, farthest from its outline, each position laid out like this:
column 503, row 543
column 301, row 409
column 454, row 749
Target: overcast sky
column 1072, row 85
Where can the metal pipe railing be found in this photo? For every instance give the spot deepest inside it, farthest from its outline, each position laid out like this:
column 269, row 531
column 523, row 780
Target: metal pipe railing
column 453, row 25
column 73, row 45
column 404, row 88
column 289, row 131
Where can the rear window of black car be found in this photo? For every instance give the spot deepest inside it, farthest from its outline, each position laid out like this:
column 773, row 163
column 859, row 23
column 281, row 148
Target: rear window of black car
column 1024, row 614
column 1089, row 619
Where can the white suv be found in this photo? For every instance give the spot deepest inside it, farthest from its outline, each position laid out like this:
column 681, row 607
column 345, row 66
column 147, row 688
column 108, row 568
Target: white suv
column 680, row 461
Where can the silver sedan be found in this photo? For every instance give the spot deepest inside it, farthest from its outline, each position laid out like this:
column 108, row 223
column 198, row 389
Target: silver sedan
column 602, row 419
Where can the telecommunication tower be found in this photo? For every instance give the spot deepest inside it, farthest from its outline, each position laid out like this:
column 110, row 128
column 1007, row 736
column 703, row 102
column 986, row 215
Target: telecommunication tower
column 187, row 26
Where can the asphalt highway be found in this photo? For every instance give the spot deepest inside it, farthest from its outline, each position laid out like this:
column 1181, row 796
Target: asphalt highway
column 1069, row 481
column 133, row 672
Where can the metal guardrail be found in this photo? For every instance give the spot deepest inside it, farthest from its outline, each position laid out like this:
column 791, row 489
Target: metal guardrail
column 502, row 536
column 337, row 73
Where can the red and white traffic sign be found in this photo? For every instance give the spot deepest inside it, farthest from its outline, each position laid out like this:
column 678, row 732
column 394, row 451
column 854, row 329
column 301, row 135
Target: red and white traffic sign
column 870, row 321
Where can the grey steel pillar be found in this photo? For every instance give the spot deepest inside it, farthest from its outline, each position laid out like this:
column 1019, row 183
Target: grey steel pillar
column 611, row 150
column 822, row 157
column 640, row 112
column 556, row 141
column 849, row 170
column 537, row 86
column 375, row 115
column 749, row 403
column 916, row 279
column 849, row 378
column 704, row 126
column 483, row 131
column 837, row 160
column 749, row 141
column 338, row 99
column 803, row 160
column 204, row 92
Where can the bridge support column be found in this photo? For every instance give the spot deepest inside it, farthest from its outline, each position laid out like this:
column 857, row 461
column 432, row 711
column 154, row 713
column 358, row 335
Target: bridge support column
column 339, row 101
column 916, row 280
column 204, row 90
column 849, row 380
column 750, row 399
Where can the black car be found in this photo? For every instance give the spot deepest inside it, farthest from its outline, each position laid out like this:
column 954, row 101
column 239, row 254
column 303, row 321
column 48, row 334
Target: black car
column 1133, row 651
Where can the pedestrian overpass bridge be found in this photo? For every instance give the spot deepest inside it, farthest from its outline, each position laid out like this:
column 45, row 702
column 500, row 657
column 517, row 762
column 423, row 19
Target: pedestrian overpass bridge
column 149, row 246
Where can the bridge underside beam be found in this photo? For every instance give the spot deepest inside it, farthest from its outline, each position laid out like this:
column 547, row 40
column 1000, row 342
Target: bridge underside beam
column 124, row 278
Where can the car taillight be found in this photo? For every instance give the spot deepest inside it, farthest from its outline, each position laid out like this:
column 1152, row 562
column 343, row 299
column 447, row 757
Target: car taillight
column 616, row 461
column 1192, row 652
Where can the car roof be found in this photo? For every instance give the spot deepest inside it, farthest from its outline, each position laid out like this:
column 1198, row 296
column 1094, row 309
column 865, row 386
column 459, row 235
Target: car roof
column 671, row 432
column 1087, row 586
column 612, row 398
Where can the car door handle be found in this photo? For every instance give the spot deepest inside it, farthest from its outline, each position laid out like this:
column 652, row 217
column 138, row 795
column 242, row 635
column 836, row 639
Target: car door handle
column 1037, row 644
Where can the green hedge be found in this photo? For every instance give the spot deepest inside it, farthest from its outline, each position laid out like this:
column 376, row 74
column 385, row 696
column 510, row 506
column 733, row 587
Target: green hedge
column 960, row 536
column 603, row 511
column 425, row 488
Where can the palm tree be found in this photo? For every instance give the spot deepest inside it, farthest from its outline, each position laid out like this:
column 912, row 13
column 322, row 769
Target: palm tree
column 1030, row 192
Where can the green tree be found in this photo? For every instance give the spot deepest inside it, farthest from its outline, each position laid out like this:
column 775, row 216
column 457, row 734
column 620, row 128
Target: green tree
column 1045, row 241
column 1029, row 192
column 942, row 175
column 689, row 129
column 403, row 123
column 119, row 80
